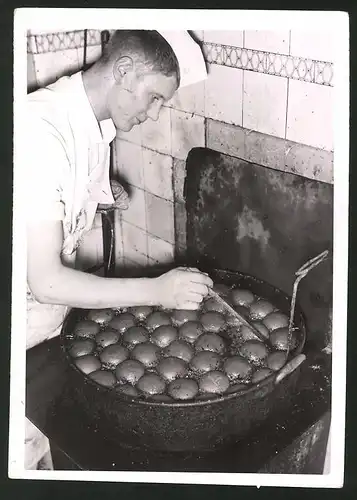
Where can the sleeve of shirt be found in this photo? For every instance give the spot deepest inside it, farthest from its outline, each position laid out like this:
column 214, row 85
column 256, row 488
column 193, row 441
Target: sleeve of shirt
column 46, row 165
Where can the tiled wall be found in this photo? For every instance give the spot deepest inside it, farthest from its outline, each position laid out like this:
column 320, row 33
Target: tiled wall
column 267, row 99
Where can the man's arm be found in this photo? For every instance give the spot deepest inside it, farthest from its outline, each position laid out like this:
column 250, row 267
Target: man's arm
column 53, row 283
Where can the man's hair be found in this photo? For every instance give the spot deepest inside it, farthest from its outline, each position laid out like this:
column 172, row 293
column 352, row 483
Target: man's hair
column 147, row 48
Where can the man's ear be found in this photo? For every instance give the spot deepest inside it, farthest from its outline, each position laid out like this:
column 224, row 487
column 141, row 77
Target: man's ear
column 123, row 71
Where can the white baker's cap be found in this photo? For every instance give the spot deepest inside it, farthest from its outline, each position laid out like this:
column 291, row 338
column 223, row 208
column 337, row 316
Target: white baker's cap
column 189, row 55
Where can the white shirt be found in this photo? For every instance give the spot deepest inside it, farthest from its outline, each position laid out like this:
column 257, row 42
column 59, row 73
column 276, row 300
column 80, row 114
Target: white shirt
column 68, row 175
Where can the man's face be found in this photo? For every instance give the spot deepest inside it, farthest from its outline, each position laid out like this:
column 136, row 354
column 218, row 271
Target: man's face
column 139, row 97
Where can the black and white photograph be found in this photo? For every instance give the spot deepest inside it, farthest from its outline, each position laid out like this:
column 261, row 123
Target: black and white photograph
column 180, row 246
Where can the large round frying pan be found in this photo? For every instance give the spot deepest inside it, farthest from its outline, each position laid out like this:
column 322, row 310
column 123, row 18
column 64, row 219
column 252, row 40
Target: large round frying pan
column 189, row 426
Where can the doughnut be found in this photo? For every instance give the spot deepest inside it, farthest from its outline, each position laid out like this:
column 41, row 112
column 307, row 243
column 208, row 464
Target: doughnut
column 260, row 309
column 107, row 337
column 88, row 364
column 261, row 328
column 86, row 328
column 242, row 310
column 276, row 320
column 172, row 368
column 179, row 349
column 140, row 312
column 261, row 374
column 246, row 333
column 128, row 390
column 212, row 321
column 151, row 384
column 236, row 367
column 146, row 353
column 101, row 316
column 157, row 318
column 211, row 304
column 81, row 348
column 205, row 361
column 190, row 331
column 254, row 350
column 214, row 382
column 114, row 354
column 103, row 377
column 210, row 342
column 180, row 316
column 122, row 322
column 129, row 371
column 183, row 389
column 164, row 335
column 135, row 335
column 242, row 297
column 279, row 339
column 276, row 360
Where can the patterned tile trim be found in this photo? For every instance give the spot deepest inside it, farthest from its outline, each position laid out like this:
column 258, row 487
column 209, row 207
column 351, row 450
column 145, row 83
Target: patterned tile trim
column 39, row 44
column 297, row 68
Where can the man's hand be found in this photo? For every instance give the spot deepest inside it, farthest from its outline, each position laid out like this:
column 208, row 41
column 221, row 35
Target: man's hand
column 182, row 288
column 120, row 196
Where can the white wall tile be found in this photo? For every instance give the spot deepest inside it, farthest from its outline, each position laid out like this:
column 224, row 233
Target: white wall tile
column 45, row 72
column 159, row 250
column 134, row 135
column 129, row 162
column 310, row 114
column 52, row 65
column 157, row 135
column 134, row 240
column 190, row 99
column 188, row 132
column 268, row 41
column 313, row 45
column 157, row 170
column 225, row 37
column 136, row 213
column 93, row 54
column 223, row 94
column 264, row 103
column 31, row 72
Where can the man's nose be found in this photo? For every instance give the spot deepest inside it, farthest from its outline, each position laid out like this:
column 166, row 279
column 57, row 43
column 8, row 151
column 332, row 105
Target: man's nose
column 154, row 112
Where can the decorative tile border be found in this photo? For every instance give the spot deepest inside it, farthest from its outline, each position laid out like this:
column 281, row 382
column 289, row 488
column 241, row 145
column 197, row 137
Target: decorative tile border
column 297, row 68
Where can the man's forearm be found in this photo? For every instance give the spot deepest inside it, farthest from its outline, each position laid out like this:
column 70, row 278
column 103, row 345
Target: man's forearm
column 78, row 289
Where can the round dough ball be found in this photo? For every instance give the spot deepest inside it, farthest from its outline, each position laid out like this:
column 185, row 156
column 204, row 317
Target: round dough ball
column 242, row 310
column 210, row 342
column 190, row 331
column 172, row 368
column 122, row 322
column 103, row 377
column 221, row 289
column 114, row 354
column 101, row 316
column 261, row 328
column 279, row 339
column 156, row 319
column 212, row 321
column 88, row 364
column 183, row 389
column 164, row 335
column 151, row 384
column 254, row 350
column 181, row 316
column 81, row 348
column 211, row 304
column 276, row 360
column 276, row 320
column 214, row 382
column 237, row 368
column 161, row 398
column 130, row 371
column 261, row 374
column 260, row 309
column 179, row 349
column 107, row 337
column 128, row 390
column 86, row 328
column 140, row 312
column 242, row 297
column 236, row 388
column 135, row 335
column 146, row 353
column 205, row 361
column 246, row 333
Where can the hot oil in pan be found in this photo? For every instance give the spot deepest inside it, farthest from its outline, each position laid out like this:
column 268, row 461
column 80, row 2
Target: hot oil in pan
column 177, row 356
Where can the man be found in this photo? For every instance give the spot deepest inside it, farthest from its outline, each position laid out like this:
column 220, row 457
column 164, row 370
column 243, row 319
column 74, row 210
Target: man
column 70, row 125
